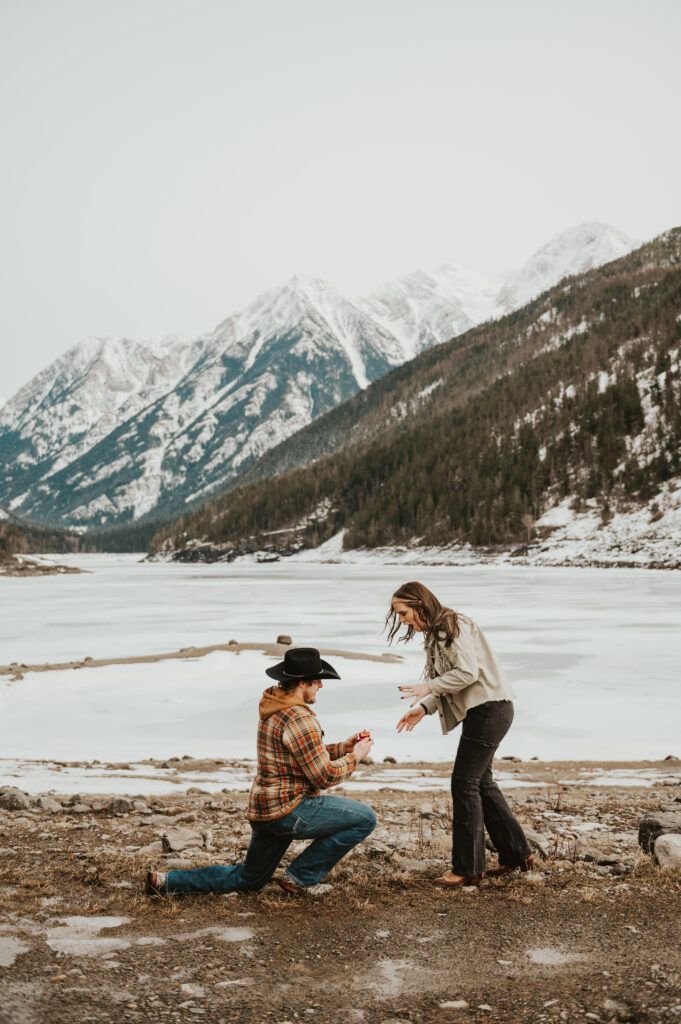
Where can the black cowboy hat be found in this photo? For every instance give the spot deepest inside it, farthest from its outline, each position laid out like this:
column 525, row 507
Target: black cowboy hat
column 302, row 664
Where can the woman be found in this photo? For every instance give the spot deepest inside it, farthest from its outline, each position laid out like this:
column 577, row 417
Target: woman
column 464, row 684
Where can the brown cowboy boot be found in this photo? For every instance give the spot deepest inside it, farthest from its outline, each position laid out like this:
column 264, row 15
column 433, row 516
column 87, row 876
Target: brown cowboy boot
column 525, row 865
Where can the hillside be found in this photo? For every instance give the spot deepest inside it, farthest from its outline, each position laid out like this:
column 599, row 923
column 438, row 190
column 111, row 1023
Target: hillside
column 575, row 398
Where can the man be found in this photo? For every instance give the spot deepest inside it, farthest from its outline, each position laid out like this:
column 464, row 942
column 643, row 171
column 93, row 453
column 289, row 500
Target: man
column 285, row 801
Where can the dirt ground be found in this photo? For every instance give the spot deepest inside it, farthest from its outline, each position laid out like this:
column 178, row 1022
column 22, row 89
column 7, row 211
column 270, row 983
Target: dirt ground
column 593, row 934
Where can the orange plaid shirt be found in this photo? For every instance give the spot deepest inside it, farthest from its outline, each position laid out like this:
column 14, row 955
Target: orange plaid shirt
column 293, row 762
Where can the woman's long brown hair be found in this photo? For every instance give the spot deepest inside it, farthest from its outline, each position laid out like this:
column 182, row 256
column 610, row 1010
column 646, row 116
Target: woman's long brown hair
column 432, row 614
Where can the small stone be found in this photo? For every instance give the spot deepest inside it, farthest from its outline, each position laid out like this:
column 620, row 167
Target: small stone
column 152, row 850
column 485, row 1006
column 195, row 991
column 616, row 1010
column 454, row 1004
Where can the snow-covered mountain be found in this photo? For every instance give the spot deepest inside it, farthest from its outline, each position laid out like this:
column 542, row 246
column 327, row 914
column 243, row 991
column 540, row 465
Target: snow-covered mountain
column 426, row 308
column 117, row 429
column 113, row 431
column 571, row 252
column 86, row 393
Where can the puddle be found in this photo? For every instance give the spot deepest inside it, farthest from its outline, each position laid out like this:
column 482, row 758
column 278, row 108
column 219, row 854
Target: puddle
column 222, row 934
column 10, row 949
column 388, row 983
column 548, row 956
column 79, row 936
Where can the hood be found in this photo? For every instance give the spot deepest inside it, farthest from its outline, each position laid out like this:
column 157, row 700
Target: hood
column 274, row 699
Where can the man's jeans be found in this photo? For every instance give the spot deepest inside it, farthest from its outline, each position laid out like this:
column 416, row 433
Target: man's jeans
column 335, row 824
column 479, row 804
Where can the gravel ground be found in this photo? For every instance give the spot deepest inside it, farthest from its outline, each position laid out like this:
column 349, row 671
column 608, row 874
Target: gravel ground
column 591, row 934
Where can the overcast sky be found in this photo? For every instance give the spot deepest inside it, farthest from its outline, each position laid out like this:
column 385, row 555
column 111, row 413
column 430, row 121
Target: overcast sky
column 166, row 160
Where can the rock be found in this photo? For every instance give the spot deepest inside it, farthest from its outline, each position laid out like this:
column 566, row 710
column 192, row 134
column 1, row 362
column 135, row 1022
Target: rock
column 15, row 800
column 177, row 839
column 616, row 1010
column 389, row 760
column 367, row 760
column 152, row 849
column 284, row 638
column 454, row 1004
column 656, row 825
column 426, row 811
column 79, row 809
column 672, row 757
column 177, row 864
column 538, row 842
column 46, row 803
column 190, row 989
column 208, row 839
column 667, row 851
column 196, row 791
column 510, row 757
column 120, row 805
column 411, row 864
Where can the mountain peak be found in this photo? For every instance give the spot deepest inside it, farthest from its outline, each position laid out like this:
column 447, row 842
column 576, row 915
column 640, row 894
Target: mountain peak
column 573, row 251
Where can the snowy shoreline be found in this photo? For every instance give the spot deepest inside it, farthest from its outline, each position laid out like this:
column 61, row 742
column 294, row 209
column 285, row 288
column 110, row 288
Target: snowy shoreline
column 183, row 775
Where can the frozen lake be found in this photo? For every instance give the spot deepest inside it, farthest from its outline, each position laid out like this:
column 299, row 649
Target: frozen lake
column 593, row 655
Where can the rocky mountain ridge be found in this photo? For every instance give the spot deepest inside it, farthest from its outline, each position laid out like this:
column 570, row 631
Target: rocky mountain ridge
column 116, row 431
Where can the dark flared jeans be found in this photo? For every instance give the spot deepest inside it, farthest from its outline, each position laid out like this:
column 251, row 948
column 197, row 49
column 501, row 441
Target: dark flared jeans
column 479, row 804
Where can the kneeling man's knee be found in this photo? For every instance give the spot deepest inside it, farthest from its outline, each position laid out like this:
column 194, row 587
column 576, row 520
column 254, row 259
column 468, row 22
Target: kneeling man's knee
column 370, row 820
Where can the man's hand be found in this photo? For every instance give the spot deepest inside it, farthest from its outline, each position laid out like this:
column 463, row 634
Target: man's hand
column 411, row 719
column 361, row 749
column 416, row 691
column 349, row 744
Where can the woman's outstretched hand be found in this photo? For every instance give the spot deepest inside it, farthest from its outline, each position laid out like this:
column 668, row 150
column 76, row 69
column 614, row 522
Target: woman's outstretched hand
column 411, row 718
column 416, row 691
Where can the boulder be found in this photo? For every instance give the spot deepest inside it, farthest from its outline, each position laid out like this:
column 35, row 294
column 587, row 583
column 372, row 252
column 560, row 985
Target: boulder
column 15, row 800
column 46, row 803
column 284, row 638
column 389, row 759
column 656, row 825
column 121, row 805
column 175, row 840
column 667, row 851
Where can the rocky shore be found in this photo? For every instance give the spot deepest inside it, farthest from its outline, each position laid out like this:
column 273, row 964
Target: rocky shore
column 20, row 565
column 590, row 934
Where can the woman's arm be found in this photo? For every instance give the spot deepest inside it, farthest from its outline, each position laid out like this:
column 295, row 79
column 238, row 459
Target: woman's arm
column 464, row 666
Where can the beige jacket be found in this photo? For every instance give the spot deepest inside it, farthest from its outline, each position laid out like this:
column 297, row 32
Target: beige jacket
column 466, row 674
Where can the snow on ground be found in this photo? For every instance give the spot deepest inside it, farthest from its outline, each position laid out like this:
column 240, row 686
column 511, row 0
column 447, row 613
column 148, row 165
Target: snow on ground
column 647, row 537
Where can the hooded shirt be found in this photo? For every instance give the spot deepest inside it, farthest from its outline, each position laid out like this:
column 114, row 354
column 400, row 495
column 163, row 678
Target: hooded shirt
column 293, row 761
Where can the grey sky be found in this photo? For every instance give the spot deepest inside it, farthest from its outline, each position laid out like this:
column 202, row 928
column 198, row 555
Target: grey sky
column 166, row 160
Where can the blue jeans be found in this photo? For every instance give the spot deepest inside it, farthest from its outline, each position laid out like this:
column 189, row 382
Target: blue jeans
column 335, row 824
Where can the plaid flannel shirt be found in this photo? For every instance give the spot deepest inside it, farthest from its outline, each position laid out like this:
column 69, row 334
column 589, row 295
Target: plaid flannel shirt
column 293, row 762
